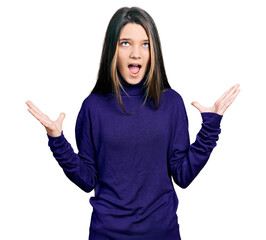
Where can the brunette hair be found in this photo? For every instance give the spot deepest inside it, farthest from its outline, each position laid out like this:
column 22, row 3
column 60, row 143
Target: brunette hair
column 156, row 79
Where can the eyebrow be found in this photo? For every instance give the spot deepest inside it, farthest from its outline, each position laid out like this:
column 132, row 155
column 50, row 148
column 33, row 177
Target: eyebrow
column 126, row 39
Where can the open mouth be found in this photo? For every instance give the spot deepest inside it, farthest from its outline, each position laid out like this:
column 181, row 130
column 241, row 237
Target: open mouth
column 134, row 68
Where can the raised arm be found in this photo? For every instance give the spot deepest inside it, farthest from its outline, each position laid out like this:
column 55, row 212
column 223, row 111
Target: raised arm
column 222, row 103
column 186, row 161
column 79, row 168
column 53, row 128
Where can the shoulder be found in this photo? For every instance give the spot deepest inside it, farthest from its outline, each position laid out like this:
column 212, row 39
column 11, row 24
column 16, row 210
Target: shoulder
column 93, row 100
column 90, row 100
column 173, row 96
column 175, row 103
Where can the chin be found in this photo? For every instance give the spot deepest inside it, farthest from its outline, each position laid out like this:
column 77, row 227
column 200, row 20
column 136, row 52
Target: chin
column 134, row 80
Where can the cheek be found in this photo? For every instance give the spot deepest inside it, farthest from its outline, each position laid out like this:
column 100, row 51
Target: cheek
column 147, row 57
column 119, row 62
column 121, row 59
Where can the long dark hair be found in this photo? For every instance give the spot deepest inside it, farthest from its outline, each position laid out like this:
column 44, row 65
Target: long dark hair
column 108, row 81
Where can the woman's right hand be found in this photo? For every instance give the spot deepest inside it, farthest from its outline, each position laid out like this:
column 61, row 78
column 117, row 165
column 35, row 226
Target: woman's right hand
column 53, row 128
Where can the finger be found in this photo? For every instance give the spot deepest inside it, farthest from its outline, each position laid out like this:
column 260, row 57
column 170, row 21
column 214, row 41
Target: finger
column 222, row 97
column 36, row 115
column 230, row 100
column 198, row 106
column 232, row 91
column 47, row 123
column 43, row 121
column 229, row 92
column 36, row 110
column 61, row 117
column 225, row 94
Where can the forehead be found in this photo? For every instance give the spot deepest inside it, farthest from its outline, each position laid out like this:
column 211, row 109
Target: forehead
column 133, row 31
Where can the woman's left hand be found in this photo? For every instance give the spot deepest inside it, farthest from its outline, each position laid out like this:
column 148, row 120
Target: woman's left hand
column 222, row 103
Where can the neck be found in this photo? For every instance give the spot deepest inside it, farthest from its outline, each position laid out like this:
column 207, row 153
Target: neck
column 132, row 89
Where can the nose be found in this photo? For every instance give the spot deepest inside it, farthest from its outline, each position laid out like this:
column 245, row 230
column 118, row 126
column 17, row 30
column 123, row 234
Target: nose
column 135, row 52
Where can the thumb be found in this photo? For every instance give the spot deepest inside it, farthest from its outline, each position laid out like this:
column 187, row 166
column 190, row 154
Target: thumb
column 197, row 105
column 61, row 117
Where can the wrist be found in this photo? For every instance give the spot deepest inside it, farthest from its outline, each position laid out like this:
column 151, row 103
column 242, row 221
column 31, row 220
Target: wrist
column 212, row 119
column 56, row 141
column 54, row 134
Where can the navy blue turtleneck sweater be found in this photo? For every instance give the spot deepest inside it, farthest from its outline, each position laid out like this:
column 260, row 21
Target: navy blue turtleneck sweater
column 130, row 161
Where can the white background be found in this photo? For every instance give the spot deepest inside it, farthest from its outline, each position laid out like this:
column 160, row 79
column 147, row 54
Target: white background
column 49, row 54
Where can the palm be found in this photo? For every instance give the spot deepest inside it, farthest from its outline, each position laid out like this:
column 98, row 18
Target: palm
column 222, row 103
column 53, row 128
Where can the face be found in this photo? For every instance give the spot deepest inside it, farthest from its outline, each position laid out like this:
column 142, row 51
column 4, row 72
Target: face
column 133, row 53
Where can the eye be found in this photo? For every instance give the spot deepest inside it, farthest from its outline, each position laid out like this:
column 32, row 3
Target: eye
column 125, row 43
column 146, row 44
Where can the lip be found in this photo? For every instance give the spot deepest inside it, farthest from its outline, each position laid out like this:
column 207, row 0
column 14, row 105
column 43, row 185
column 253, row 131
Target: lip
column 134, row 74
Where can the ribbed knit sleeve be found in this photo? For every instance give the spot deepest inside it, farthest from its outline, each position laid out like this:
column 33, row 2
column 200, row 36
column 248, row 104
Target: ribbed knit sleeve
column 186, row 161
column 80, row 168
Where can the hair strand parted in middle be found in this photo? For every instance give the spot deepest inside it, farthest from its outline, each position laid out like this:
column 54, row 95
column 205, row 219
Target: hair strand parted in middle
column 156, row 79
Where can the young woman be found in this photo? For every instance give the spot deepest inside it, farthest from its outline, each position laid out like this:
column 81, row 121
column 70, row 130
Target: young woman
column 132, row 136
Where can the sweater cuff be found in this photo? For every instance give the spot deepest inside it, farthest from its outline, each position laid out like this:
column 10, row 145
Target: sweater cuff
column 212, row 119
column 56, row 141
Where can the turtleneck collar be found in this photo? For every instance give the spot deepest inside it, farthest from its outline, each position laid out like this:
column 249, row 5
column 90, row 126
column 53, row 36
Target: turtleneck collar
column 132, row 89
